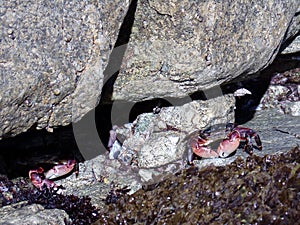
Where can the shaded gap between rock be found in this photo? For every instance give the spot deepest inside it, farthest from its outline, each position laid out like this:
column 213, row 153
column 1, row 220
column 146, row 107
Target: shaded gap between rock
column 103, row 110
column 258, row 85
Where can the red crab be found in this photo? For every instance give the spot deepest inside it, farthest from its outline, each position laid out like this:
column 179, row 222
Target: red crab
column 226, row 141
column 40, row 179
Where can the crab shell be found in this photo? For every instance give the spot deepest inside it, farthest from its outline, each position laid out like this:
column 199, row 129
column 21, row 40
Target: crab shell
column 60, row 170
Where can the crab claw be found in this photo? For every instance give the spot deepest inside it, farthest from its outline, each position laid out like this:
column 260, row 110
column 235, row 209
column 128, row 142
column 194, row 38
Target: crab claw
column 36, row 177
column 38, row 180
column 204, row 152
column 198, row 146
column 60, row 170
column 229, row 145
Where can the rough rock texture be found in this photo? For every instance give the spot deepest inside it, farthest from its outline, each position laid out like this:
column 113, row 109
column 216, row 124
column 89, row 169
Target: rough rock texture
column 156, row 138
column 179, row 47
column 32, row 214
column 52, row 60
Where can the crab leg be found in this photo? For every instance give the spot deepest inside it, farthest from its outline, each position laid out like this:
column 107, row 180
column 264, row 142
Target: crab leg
column 258, row 141
column 248, row 145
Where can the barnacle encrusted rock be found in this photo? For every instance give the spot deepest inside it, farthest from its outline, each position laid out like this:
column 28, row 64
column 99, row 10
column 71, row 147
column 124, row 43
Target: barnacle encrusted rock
column 179, row 47
column 53, row 54
column 156, row 138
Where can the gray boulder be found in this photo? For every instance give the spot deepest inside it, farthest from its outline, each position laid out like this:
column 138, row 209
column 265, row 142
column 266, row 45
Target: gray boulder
column 32, row 214
column 53, row 54
column 179, row 47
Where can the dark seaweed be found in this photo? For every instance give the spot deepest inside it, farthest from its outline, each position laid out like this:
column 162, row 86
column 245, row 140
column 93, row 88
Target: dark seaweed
column 115, row 193
column 252, row 191
column 79, row 209
column 14, row 192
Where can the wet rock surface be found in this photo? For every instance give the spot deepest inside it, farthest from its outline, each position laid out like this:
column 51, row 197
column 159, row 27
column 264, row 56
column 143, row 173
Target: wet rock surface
column 52, row 60
column 180, row 47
